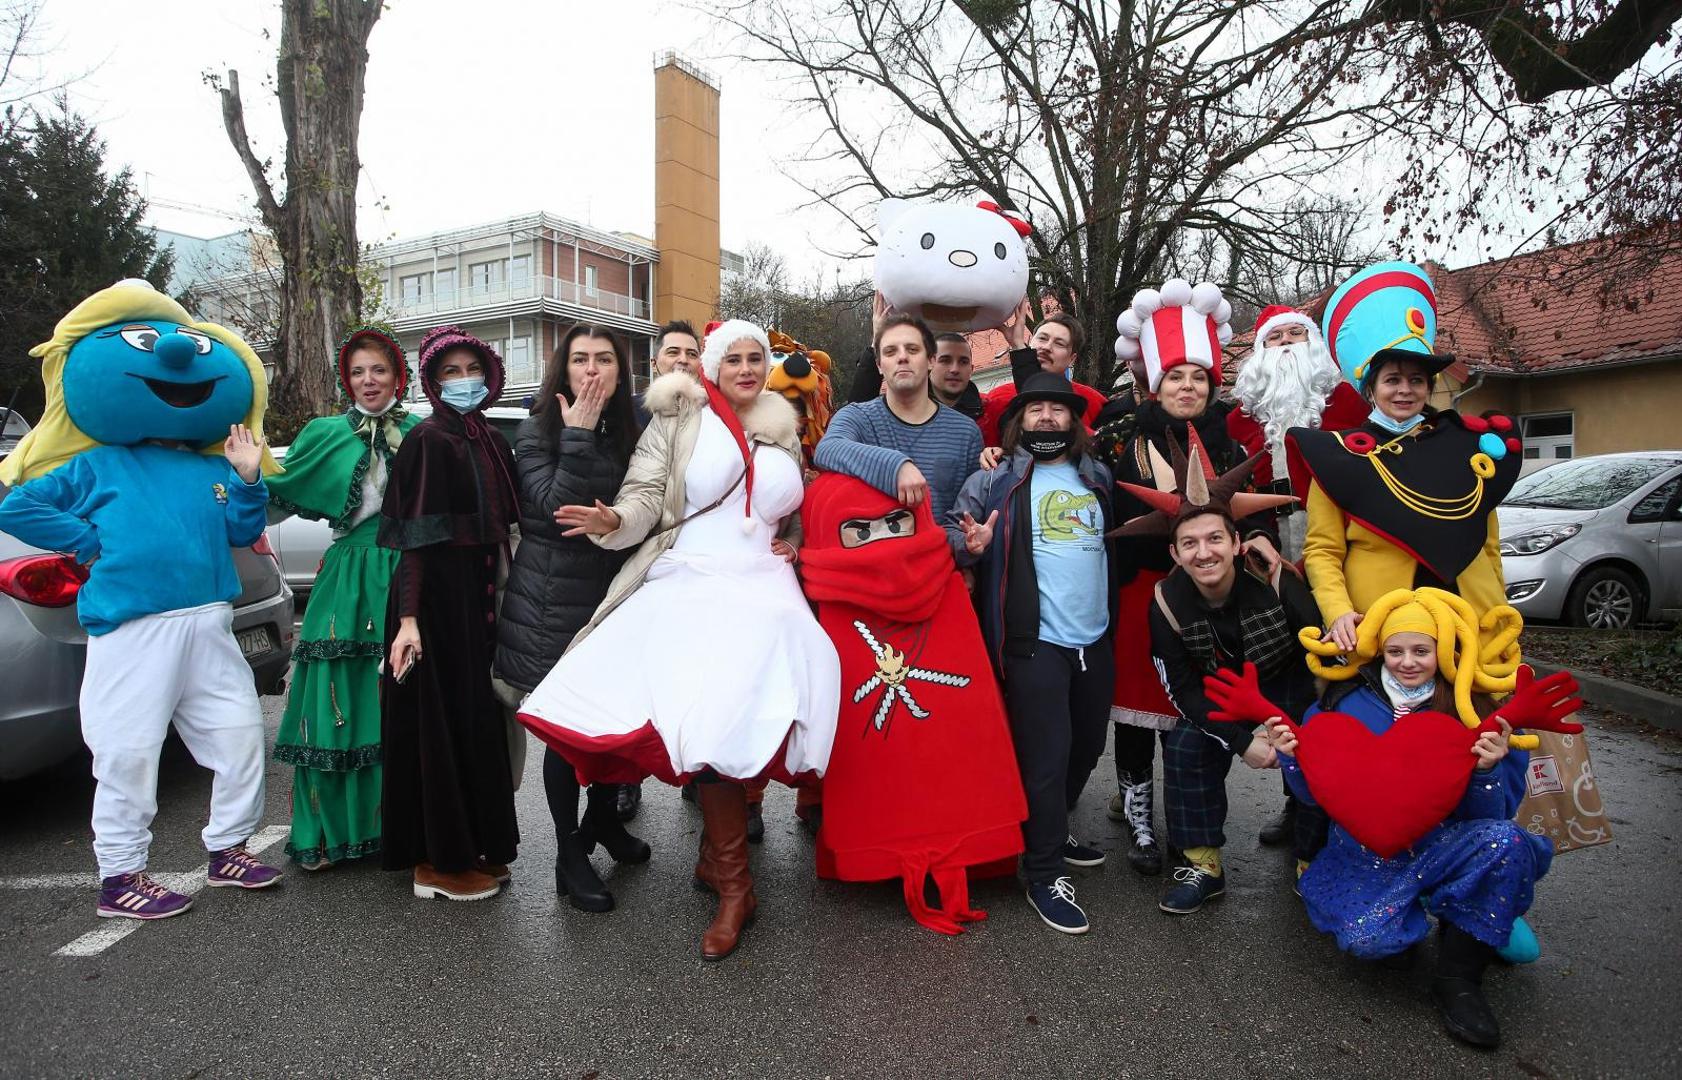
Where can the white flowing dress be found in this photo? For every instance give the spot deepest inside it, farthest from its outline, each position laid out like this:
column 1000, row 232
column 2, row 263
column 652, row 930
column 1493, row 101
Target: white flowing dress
column 716, row 660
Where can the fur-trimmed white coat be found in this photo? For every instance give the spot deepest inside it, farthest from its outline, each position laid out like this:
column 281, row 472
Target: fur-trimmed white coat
column 652, row 496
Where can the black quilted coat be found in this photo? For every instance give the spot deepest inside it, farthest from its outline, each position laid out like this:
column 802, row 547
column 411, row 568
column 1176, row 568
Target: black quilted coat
column 557, row 581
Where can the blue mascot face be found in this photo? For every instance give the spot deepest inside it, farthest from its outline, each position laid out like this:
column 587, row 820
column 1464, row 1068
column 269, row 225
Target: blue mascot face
column 132, row 381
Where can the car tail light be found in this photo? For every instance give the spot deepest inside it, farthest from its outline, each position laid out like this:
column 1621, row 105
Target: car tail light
column 42, row 580
column 262, row 547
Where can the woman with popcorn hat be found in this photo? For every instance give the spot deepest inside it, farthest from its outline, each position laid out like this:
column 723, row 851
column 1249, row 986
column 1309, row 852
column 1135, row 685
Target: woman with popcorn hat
column 1175, row 334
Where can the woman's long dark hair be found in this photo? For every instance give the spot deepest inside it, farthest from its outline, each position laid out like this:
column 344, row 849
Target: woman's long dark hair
column 618, row 424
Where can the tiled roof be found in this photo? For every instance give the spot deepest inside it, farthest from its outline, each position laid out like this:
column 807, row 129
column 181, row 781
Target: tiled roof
column 1560, row 309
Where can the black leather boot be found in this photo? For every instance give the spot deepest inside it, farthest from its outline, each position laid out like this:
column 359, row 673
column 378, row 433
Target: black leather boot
column 601, row 825
column 628, row 801
column 576, row 879
column 1457, row 988
column 756, row 823
column 1282, row 829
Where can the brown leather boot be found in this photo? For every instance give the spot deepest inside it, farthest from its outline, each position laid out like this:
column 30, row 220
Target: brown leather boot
column 724, row 817
column 706, row 872
column 433, row 884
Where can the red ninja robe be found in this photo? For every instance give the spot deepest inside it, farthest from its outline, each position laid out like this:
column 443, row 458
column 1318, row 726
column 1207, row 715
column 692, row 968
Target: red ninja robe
column 922, row 780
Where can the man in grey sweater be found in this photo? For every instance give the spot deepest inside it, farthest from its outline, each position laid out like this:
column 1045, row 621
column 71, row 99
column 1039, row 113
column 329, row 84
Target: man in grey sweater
column 905, row 443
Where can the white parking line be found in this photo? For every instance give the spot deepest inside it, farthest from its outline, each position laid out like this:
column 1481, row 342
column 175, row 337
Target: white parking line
column 112, row 931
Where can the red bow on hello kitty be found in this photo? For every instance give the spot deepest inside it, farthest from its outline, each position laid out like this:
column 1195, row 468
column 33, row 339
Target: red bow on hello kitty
column 1022, row 227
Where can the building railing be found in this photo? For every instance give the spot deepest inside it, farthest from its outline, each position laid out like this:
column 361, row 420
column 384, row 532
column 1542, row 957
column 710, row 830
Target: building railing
column 541, row 286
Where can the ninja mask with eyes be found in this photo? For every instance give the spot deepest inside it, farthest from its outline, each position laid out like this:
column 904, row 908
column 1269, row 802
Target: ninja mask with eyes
column 923, row 761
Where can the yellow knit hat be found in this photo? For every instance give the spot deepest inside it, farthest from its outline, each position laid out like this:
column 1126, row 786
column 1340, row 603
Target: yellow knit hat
column 1409, row 618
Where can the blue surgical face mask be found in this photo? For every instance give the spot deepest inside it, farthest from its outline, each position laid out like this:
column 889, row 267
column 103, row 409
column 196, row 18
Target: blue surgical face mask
column 464, row 394
column 1392, row 425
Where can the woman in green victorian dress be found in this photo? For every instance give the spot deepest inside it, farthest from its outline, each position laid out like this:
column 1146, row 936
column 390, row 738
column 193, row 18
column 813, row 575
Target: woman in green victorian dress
column 336, row 472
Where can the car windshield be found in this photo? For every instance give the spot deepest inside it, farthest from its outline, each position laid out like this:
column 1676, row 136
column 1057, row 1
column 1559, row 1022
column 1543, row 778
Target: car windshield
column 1587, row 484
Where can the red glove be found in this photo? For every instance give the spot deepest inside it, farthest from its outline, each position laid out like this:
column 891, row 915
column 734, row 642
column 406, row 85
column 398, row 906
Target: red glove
column 1542, row 705
column 1239, row 697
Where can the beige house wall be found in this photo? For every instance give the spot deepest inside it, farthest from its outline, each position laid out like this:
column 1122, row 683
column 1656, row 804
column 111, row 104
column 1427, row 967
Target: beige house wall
column 1616, row 409
column 686, row 280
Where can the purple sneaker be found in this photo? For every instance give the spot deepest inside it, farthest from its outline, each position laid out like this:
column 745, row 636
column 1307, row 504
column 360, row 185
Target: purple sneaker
column 136, row 896
column 235, row 867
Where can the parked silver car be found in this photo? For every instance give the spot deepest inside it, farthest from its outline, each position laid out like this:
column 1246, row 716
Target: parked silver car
column 300, row 543
column 43, row 647
column 1596, row 541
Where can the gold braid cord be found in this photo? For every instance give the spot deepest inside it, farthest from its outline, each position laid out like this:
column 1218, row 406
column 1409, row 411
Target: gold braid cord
column 1475, row 656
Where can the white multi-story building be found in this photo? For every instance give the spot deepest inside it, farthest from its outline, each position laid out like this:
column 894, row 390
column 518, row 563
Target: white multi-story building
column 519, row 283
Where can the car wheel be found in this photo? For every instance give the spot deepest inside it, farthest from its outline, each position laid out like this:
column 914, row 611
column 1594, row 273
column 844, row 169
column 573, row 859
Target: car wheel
column 1605, row 598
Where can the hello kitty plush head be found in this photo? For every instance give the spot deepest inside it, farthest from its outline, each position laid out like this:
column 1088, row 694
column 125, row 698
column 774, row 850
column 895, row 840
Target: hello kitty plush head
column 955, row 267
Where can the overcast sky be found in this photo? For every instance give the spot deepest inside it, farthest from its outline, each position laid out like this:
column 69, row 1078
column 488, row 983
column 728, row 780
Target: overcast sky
column 474, row 111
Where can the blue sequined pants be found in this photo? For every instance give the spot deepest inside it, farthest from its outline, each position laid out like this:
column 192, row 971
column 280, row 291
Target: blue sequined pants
column 1479, row 875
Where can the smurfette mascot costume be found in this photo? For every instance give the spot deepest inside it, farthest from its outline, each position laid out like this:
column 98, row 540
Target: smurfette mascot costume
column 147, row 470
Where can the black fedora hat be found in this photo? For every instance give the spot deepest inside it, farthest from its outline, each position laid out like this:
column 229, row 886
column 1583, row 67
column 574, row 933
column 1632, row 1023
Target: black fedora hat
column 1044, row 386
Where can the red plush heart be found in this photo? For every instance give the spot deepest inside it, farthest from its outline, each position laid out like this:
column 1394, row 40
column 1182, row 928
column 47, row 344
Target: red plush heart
column 1387, row 790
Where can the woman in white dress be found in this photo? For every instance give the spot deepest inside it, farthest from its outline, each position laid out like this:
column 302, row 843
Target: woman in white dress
column 650, row 686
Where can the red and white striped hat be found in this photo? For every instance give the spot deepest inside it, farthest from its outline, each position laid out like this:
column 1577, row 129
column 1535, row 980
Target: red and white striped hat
column 1178, row 324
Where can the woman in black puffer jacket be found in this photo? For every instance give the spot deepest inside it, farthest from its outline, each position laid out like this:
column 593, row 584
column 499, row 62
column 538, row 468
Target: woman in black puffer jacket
column 574, row 449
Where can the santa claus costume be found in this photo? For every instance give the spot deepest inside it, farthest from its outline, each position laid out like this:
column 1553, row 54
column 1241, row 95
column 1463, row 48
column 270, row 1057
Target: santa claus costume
column 922, row 780
column 1294, row 384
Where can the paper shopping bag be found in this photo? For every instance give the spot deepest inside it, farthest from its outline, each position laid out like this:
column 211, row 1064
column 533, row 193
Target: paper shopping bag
column 1562, row 798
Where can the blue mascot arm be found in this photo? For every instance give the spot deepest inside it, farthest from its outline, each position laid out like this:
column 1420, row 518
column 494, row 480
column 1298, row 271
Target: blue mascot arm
column 51, row 512
column 247, row 509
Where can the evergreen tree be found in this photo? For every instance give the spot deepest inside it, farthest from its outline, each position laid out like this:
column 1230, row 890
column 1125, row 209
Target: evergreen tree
column 67, row 229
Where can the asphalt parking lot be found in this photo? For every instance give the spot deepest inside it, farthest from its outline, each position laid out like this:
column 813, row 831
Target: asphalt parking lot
column 345, row 974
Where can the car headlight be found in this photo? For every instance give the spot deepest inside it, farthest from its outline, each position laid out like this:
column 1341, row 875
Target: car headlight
column 1537, row 541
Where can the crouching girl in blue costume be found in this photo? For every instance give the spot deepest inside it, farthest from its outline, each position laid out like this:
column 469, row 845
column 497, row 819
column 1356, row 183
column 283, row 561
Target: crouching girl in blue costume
column 147, row 469
column 1475, row 869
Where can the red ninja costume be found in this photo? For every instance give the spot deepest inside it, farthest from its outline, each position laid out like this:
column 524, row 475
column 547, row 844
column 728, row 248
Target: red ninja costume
column 922, row 780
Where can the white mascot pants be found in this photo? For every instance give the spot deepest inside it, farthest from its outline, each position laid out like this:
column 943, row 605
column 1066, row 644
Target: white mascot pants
column 183, row 667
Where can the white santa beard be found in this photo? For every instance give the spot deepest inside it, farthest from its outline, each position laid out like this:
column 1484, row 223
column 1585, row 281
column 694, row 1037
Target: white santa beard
column 1285, row 387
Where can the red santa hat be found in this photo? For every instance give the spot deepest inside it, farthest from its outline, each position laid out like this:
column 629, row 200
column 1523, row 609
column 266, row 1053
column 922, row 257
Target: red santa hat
column 1277, row 315
column 1178, row 324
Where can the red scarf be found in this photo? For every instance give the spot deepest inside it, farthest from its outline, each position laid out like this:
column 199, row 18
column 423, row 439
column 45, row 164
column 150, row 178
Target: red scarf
column 721, row 407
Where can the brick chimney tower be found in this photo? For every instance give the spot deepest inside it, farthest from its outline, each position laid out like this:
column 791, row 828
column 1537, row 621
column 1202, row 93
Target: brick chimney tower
column 686, row 281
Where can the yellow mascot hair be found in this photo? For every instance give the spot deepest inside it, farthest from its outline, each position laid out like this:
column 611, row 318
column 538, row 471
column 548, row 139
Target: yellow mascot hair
column 1473, row 655
column 57, row 439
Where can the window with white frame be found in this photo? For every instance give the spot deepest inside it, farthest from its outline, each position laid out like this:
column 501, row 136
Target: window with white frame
column 484, row 276
column 1548, row 437
column 519, row 271
column 589, row 281
column 519, row 358
column 444, row 285
column 415, row 288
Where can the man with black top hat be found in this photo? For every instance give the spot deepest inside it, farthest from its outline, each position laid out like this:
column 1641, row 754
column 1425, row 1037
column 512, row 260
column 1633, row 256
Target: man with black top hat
column 1034, row 530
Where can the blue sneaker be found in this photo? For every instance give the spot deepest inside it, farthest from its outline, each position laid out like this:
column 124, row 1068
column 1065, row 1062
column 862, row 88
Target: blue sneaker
column 1193, row 887
column 1055, row 903
column 1076, row 853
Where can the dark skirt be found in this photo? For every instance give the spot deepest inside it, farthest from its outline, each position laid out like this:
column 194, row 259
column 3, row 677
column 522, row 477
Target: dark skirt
column 448, row 796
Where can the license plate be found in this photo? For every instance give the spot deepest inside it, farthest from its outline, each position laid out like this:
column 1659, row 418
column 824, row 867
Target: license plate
column 255, row 642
